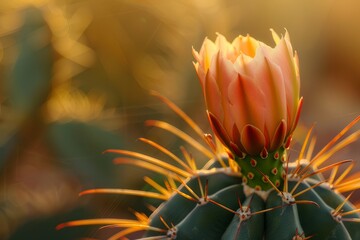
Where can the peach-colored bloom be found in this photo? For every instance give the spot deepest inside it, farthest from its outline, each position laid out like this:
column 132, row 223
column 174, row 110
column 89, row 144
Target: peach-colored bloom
column 252, row 92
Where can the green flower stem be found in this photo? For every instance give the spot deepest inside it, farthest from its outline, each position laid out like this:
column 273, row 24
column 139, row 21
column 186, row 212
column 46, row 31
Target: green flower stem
column 253, row 170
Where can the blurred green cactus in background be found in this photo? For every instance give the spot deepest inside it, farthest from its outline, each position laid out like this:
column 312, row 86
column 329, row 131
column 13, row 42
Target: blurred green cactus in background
column 32, row 73
column 34, row 114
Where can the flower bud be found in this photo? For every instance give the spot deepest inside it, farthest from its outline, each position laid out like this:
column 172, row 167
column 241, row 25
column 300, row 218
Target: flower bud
column 252, row 92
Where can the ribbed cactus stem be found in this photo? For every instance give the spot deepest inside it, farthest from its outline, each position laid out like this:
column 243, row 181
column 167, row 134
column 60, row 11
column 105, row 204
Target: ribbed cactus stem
column 257, row 171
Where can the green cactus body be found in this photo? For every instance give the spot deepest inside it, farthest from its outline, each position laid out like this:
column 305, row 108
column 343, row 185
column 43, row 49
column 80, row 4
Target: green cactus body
column 333, row 199
column 208, row 214
column 252, row 227
column 170, row 208
column 282, row 223
column 309, row 214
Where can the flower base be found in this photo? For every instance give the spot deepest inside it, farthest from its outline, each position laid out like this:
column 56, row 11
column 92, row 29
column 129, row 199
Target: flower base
column 257, row 171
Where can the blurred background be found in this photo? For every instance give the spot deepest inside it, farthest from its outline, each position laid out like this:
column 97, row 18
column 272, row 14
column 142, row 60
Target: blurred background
column 75, row 77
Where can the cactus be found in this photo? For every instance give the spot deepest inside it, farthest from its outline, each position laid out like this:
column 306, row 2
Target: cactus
column 214, row 202
column 250, row 188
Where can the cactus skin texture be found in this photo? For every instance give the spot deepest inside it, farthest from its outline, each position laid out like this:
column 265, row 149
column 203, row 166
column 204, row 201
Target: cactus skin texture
column 214, row 202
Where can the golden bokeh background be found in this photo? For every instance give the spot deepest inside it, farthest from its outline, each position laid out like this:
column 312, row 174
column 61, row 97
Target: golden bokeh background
column 75, row 77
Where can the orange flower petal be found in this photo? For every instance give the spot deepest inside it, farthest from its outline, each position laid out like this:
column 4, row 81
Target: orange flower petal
column 226, row 48
column 207, row 51
column 213, row 96
column 246, row 103
column 296, row 120
column 276, row 102
column 282, row 56
column 246, row 45
column 252, row 139
column 218, row 129
column 279, row 136
column 222, row 73
column 236, row 138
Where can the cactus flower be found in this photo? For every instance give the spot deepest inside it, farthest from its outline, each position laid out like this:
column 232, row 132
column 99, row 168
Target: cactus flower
column 251, row 92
